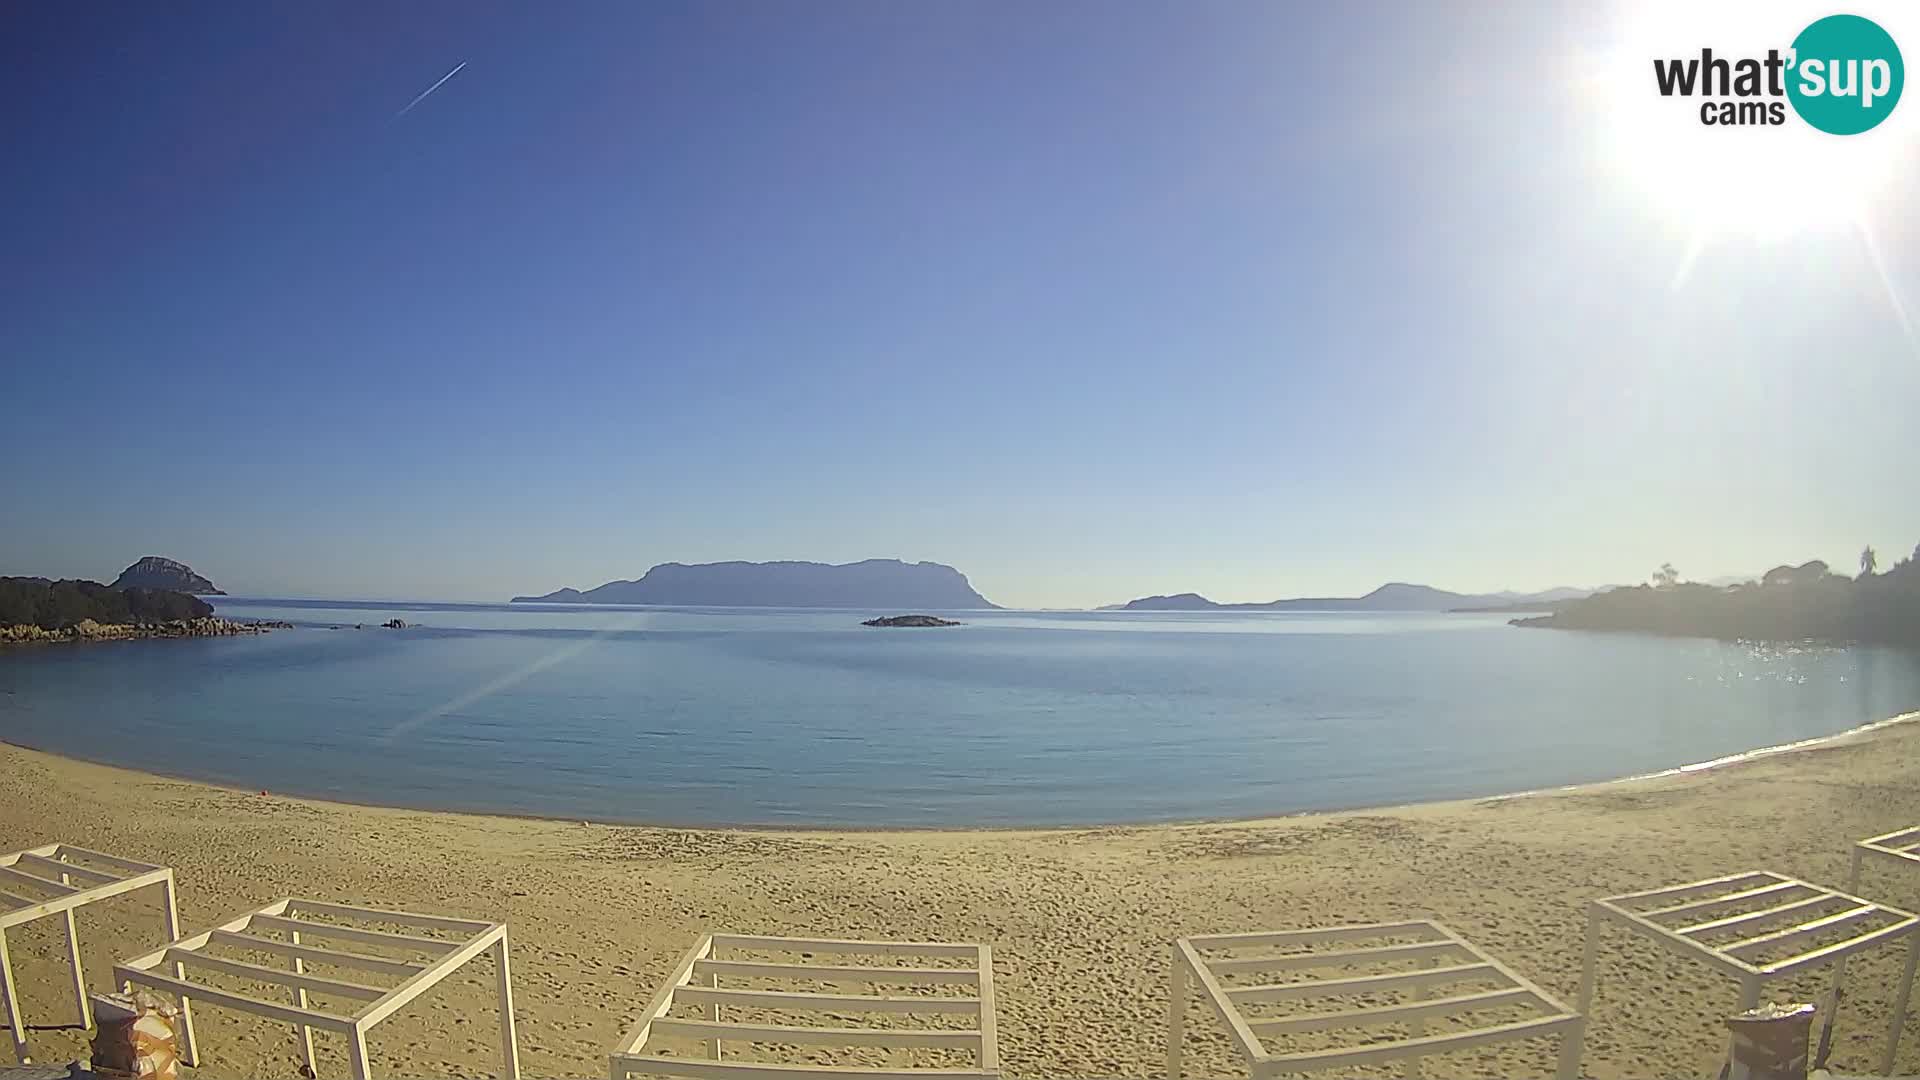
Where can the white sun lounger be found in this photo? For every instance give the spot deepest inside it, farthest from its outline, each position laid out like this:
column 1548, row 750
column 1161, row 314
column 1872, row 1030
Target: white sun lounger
column 1412, row 963
column 1901, row 846
column 57, row 879
column 1757, row 927
column 287, row 928
column 696, row 980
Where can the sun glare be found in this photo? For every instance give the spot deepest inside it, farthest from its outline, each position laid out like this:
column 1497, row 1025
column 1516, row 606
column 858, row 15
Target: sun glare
column 1755, row 181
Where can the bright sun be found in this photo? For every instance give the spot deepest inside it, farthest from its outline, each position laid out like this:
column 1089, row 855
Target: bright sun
column 1759, row 181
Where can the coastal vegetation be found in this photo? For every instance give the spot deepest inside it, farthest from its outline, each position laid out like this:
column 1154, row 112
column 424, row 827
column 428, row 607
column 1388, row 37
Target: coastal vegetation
column 1808, row 602
column 56, row 605
column 37, row 609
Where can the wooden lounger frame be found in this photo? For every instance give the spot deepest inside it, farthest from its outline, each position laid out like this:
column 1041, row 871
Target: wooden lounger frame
column 56, row 879
column 1676, row 916
column 1450, row 958
column 701, row 963
column 448, row 955
column 1900, row 845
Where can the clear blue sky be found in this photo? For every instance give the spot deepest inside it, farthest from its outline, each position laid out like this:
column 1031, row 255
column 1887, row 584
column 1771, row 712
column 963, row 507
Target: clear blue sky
column 1089, row 300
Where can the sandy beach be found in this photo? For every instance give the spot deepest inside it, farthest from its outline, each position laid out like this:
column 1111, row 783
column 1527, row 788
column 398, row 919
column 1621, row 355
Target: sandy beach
column 1080, row 920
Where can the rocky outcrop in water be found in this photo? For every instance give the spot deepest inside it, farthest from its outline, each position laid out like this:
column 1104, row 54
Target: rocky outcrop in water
column 89, row 630
column 910, row 620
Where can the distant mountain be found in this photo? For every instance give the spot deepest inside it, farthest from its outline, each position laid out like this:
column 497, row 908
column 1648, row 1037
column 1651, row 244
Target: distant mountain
column 1185, row 601
column 1513, row 603
column 1547, row 596
column 875, row 583
column 1394, row 596
column 154, row 572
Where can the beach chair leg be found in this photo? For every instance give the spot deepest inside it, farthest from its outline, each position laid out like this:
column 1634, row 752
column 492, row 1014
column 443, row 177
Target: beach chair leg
column 1900, row 1001
column 79, row 976
column 1589, row 968
column 304, row 1032
column 1823, row 1045
column 509, row 1046
column 713, row 1014
column 1176, row 1013
column 8, row 990
column 73, row 954
column 189, row 1054
column 1571, row 1042
column 357, row 1054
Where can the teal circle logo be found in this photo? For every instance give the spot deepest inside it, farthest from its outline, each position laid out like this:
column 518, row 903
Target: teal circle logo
column 1847, row 74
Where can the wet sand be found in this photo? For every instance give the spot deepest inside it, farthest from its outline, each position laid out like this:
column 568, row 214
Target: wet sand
column 1080, row 919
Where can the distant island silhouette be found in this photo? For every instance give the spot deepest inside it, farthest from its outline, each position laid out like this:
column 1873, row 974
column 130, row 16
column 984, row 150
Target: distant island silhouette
column 874, row 583
column 1808, row 602
column 1394, row 596
column 155, row 572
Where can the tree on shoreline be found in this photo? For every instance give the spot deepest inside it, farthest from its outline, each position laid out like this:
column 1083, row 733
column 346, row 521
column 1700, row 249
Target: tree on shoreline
column 1793, row 603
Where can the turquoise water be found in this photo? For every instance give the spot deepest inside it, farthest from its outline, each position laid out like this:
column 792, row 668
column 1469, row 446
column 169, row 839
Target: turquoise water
column 707, row 716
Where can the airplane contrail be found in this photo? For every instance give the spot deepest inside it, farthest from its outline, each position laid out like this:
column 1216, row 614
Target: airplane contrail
column 429, row 90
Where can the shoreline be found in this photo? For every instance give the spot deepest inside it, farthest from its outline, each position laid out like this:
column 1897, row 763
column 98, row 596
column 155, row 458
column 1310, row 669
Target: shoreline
column 1862, row 732
column 1079, row 917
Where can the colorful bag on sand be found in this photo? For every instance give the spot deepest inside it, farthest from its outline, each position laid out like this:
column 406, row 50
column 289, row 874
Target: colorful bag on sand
column 135, row 1037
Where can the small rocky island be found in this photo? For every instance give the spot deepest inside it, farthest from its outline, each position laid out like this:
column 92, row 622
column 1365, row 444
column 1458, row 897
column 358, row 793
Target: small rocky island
column 910, row 620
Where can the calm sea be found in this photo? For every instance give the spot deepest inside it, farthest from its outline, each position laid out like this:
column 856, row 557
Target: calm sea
column 706, row 716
